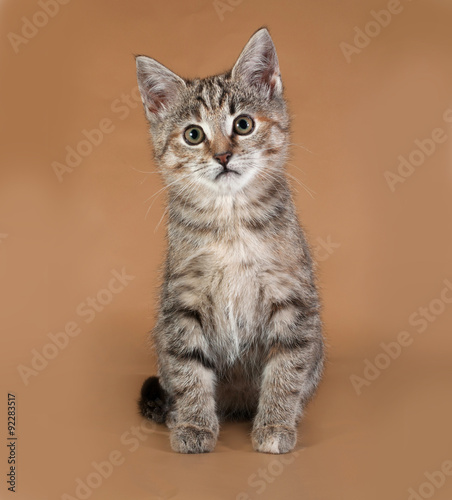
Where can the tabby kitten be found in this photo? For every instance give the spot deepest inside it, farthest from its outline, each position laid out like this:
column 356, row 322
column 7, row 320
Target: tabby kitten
column 239, row 332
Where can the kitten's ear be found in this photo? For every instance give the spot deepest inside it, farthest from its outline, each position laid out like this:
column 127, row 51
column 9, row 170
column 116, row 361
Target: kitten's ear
column 258, row 63
column 158, row 86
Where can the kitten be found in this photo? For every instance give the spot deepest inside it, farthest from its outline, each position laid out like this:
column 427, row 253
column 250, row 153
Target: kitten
column 239, row 332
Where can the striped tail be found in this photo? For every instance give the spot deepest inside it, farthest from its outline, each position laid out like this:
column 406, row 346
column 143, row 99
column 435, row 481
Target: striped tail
column 153, row 403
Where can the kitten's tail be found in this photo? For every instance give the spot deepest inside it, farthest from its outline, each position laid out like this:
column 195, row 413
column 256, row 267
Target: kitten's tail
column 153, row 403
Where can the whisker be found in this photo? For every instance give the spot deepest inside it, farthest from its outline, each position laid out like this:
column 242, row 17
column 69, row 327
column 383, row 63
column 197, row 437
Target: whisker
column 164, row 188
column 296, row 167
column 161, row 218
column 143, row 171
column 306, row 188
column 301, row 146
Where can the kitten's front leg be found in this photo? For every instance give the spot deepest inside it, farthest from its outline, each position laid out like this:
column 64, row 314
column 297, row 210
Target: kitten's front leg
column 290, row 377
column 188, row 377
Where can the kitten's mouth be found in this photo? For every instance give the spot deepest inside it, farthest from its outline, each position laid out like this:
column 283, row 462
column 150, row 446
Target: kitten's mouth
column 226, row 172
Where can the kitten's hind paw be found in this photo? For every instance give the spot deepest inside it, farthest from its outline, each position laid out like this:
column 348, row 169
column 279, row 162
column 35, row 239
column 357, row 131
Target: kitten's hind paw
column 274, row 439
column 192, row 439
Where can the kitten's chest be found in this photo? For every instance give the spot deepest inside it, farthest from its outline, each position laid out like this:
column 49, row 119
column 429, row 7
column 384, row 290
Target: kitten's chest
column 232, row 284
column 236, row 285
column 234, row 289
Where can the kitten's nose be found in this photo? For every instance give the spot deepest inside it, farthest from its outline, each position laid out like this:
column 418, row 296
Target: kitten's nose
column 223, row 158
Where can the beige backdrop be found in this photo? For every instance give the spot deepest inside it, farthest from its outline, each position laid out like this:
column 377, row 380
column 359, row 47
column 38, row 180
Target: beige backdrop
column 369, row 85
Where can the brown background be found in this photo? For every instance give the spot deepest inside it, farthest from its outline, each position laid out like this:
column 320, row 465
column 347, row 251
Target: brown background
column 59, row 242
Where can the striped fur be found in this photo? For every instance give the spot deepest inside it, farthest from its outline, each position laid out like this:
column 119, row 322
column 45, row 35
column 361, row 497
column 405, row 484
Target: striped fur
column 239, row 332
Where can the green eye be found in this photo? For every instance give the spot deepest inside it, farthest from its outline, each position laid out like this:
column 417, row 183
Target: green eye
column 243, row 125
column 194, row 135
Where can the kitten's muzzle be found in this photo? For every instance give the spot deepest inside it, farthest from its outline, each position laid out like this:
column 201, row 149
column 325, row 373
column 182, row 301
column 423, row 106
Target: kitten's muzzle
column 223, row 158
column 226, row 171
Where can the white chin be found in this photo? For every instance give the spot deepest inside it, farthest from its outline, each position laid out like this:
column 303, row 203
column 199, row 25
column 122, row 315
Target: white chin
column 229, row 182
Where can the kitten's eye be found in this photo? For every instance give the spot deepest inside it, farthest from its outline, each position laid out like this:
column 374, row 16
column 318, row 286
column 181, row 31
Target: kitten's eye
column 194, row 135
column 243, row 125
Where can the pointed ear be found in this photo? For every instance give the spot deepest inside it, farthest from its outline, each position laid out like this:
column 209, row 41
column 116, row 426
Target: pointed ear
column 258, row 64
column 159, row 86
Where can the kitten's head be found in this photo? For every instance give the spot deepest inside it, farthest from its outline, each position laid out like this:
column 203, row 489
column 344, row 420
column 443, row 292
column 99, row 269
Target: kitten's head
column 222, row 134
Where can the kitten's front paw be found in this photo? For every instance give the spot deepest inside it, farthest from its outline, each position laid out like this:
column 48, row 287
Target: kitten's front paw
column 274, row 439
column 192, row 439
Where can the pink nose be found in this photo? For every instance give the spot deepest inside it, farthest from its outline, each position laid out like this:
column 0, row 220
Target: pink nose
column 223, row 158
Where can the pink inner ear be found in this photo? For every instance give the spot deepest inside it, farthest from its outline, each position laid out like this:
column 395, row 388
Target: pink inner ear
column 273, row 81
column 270, row 78
column 270, row 74
column 156, row 100
column 156, row 103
